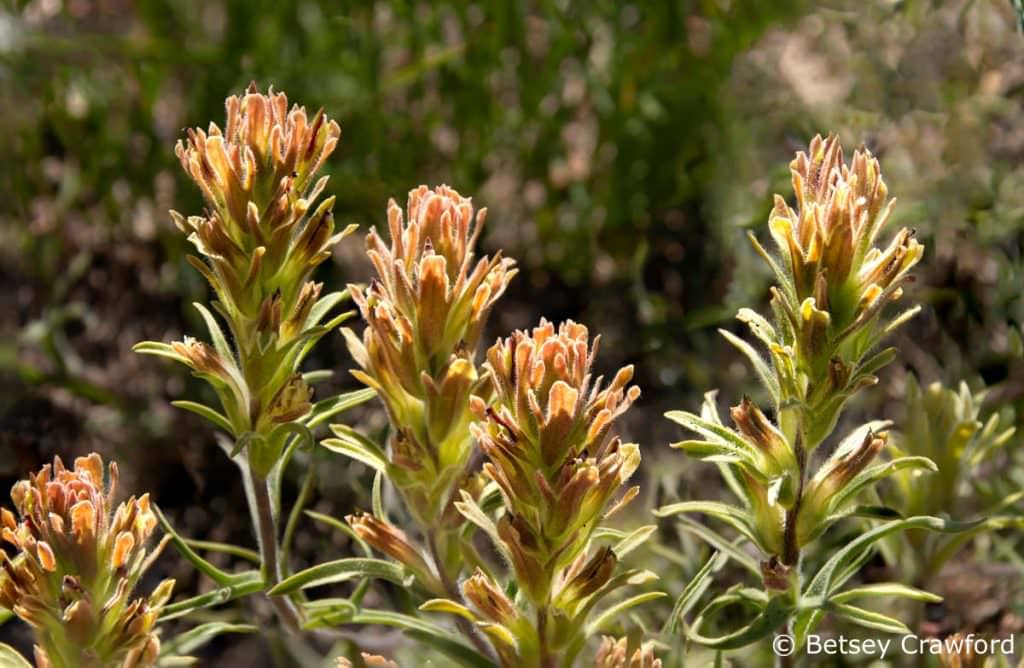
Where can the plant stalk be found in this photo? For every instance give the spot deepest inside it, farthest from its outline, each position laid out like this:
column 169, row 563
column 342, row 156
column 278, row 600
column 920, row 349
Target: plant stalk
column 547, row 659
column 271, row 564
column 453, row 592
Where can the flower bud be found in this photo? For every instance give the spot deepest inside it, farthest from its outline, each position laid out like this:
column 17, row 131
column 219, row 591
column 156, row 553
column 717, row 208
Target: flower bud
column 614, row 653
column 489, row 600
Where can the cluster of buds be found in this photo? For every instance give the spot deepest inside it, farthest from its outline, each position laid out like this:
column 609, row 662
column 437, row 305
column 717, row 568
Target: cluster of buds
column 261, row 238
column 75, row 565
column 256, row 177
column 614, row 653
column 839, row 279
column 834, row 280
column 425, row 312
column 550, row 448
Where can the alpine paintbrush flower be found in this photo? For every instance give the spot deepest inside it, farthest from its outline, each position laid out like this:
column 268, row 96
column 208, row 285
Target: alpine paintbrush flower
column 550, row 447
column 75, row 564
column 823, row 346
column 260, row 239
column 551, row 450
column 424, row 315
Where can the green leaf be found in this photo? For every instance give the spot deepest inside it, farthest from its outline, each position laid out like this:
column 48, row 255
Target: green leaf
column 225, row 548
column 323, row 306
column 694, row 589
column 328, row 613
column 245, row 584
column 472, row 512
column 159, row 349
column 870, row 619
column 730, row 444
column 877, row 472
column 821, row 586
column 377, row 496
column 352, row 444
column 5, row 616
column 449, row 606
column 614, row 611
column 340, row 571
column 214, row 573
column 885, row 589
column 732, row 516
column 335, row 523
column 318, row 376
column 328, row 408
column 770, row 617
column 195, row 638
column 437, row 637
column 206, row 412
column 10, row 658
column 764, row 372
column 720, row 543
column 216, row 334
column 635, row 538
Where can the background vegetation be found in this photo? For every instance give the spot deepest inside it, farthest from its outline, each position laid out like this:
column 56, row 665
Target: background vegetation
column 623, row 150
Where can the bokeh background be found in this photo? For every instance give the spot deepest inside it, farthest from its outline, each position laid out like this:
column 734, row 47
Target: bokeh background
column 623, row 149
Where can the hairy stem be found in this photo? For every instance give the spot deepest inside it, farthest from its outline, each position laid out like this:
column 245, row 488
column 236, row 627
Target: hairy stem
column 790, row 547
column 547, row 658
column 271, row 564
column 453, row 592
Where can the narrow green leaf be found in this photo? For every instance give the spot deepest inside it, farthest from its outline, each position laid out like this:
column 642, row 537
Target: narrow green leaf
column 159, row 349
column 328, row 408
column 340, row 571
column 694, row 589
column 764, row 372
column 245, row 584
column 885, row 589
column 734, row 517
column 206, row 412
column 377, row 496
column 449, row 606
column 352, row 444
column 599, row 622
column 328, row 613
column 225, row 548
column 195, row 638
column 217, row 575
column 633, row 540
column 763, row 625
column 823, row 582
column 871, row 619
column 721, row 543
column 220, row 343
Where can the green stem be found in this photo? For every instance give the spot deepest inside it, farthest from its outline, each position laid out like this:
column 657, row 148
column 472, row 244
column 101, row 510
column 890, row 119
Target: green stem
column 454, row 594
column 547, row 657
column 296, row 513
column 271, row 564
